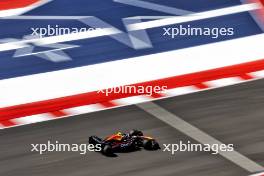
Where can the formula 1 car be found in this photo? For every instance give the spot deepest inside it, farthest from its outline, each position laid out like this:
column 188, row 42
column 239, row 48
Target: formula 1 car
column 124, row 142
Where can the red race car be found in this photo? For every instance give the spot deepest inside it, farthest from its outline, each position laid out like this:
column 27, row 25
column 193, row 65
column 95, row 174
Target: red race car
column 125, row 142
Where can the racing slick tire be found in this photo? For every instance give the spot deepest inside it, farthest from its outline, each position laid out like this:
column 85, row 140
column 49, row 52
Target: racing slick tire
column 136, row 133
column 107, row 150
column 151, row 145
column 136, row 144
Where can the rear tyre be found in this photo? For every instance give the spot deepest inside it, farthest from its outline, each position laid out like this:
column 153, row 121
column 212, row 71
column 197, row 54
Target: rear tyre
column 136, row 133
column 150, row 145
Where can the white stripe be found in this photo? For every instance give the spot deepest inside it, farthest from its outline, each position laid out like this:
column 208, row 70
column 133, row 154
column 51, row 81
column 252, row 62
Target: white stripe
column 18, row 11
column 258, row 74
column 180, row 91
column 31, row 119
column 194, row 17
column 149, row 17
column 223, row 82
column 198, row 135
column 131, row 100
column 129, row 71
column 49, row 51
column 83, row 109
column 58, row 39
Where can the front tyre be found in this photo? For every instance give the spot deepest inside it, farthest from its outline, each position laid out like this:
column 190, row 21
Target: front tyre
column 107, row 150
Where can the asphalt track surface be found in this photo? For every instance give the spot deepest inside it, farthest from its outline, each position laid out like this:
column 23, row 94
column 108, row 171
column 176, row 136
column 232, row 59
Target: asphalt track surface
column 231, row 114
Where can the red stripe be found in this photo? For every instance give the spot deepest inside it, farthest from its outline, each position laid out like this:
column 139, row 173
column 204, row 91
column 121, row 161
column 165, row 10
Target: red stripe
column 14, row 4
column 58, row 114
column 94, row 97
column 260, row 12
column 201, row 86
column 246, row 77
column 256, row 1
column 108, row 104
column 157, row 95
column 7, row 123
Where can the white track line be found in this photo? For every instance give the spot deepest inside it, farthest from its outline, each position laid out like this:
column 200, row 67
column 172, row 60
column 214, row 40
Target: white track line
column 198, row 135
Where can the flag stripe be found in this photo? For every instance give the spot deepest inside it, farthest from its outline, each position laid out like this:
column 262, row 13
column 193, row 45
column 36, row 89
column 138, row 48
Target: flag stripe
column 14, row 4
